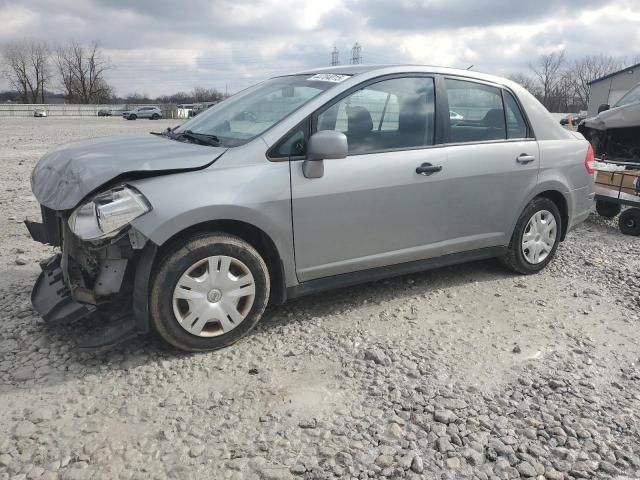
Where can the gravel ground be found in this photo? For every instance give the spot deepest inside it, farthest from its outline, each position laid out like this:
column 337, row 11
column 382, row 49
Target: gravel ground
column 462, row 372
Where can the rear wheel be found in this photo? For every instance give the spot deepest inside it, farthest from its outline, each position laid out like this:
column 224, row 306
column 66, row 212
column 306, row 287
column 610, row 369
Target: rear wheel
column 535, row 239
column 629, row 222
column 607, row 209
column 155, row 116
column 208, row 292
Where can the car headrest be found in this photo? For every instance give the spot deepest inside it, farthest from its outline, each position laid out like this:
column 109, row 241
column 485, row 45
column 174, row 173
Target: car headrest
column 359, row 121
column 494, row 118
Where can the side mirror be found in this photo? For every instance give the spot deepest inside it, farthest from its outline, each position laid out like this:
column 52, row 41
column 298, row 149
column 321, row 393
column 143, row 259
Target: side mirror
column 603, row 108
column 324, row 145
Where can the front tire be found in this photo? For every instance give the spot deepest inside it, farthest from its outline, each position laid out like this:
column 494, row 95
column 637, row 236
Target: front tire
column 208, row 292
column 535, row 239
column 132, row 117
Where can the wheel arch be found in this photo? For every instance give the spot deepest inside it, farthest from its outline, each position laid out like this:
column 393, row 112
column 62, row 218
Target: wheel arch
column 248, row 232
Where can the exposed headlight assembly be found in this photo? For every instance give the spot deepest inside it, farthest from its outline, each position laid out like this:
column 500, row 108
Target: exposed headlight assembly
column 108, row 213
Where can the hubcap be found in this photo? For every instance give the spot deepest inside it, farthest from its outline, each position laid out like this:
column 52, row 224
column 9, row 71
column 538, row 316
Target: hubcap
column 213, row 296
column 539, row 237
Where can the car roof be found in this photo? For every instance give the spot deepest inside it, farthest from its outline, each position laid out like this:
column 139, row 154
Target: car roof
column 402, row 68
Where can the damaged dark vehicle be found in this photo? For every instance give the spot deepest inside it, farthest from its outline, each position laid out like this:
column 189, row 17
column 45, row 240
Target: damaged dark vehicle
column 615, row 132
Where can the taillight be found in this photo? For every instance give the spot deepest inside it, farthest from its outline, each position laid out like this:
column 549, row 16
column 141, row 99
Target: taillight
column 589, row 161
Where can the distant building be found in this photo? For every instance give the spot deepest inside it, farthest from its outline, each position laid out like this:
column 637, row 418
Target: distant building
column 610, row 88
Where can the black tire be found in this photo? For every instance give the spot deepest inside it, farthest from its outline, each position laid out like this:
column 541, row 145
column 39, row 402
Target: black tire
column 629, row 222
column 155, row 116
column 181, row 256
column 607, row 209
column 514, row 259
column 132, row 116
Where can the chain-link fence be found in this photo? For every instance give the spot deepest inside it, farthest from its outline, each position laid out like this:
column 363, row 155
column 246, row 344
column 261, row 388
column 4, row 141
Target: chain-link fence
column 68, row 110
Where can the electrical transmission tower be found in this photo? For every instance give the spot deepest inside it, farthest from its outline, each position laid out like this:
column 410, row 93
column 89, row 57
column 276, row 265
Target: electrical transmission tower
column 335, row 57
column 356, row 54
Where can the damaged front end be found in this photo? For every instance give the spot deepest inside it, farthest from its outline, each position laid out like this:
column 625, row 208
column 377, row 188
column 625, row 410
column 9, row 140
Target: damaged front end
column 97, row 274
column 615, row 133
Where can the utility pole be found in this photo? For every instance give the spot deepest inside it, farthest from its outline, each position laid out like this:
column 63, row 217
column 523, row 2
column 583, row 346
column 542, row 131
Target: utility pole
column 335, row 57
column 356, row 54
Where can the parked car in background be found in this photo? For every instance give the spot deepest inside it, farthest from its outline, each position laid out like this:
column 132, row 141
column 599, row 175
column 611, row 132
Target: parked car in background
column 615, row 131
column 105, row 112
column 300, row 184
column 39, row 112
column 153, row 113
column 200, row 107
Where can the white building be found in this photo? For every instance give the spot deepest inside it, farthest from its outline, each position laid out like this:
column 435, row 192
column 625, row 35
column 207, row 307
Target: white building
column 610, row 88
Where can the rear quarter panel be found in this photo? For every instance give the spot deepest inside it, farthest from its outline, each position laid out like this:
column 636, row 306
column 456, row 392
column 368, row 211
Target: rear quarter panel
column 562, row 169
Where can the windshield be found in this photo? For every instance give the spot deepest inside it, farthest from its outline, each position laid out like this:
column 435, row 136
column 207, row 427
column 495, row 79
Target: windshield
column 248, row 114
column 632, row 96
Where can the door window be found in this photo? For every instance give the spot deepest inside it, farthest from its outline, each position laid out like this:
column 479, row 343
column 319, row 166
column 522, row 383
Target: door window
column 516, row 125
column 479, row 115
column 391, row 114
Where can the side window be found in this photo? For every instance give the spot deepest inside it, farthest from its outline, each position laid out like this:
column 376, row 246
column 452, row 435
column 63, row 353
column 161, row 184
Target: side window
column 293, row 145
column 391, row 114
column 475, row 112
column 516, row 125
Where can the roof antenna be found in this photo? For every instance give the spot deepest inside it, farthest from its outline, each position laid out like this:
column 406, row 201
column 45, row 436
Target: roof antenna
column 469, row 67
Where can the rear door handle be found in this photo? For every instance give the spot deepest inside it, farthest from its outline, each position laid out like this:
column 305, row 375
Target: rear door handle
column 524, row 158
column 427, row 169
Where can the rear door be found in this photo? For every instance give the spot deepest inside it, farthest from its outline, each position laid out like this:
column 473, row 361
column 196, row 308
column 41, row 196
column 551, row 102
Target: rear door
column 492, row 163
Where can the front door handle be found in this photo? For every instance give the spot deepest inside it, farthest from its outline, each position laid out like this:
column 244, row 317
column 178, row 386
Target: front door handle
column 524, row 159
column 427, row 169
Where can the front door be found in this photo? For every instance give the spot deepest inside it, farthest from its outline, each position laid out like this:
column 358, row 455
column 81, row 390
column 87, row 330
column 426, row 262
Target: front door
column 372, row 208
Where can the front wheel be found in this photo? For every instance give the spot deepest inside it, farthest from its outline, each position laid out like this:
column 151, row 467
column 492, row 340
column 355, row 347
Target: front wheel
column 535, row 239
column 132, row 117
column 208, row 292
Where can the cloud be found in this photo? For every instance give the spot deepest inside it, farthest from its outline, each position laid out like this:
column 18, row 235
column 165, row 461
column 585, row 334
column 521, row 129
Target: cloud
column 163, row 46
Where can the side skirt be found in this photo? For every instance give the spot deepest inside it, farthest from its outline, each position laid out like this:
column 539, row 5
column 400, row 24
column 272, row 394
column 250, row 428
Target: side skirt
column 379, row 273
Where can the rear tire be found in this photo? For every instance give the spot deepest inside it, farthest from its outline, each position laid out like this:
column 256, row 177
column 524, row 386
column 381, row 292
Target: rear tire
column 607, row 209
column 629, row 222
column 516, row 257
column 155, row 116
column 178, row 321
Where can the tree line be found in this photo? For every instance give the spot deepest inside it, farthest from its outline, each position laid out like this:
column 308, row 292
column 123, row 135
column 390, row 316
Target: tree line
column 35, row 67
column 562, row 85
column 36, row 70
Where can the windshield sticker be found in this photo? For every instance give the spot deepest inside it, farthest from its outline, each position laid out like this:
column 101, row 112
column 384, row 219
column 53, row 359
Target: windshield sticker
column 328, row 77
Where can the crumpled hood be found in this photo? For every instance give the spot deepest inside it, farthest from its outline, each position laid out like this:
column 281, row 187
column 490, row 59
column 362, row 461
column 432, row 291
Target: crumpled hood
column 619, row 117
column 68, row 173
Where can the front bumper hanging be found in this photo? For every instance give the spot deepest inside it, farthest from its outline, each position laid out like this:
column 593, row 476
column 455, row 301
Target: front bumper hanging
column 51, row 296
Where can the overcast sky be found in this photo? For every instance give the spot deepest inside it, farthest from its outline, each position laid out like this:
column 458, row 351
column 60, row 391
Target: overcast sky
column 163, row 46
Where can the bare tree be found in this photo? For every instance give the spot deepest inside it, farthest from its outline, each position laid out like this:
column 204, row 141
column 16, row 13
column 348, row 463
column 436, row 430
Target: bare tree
column 525, row 81
column 548, row 71
column 202, row 94
column 28, row 68
column 81, row 70
column 589, row 68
